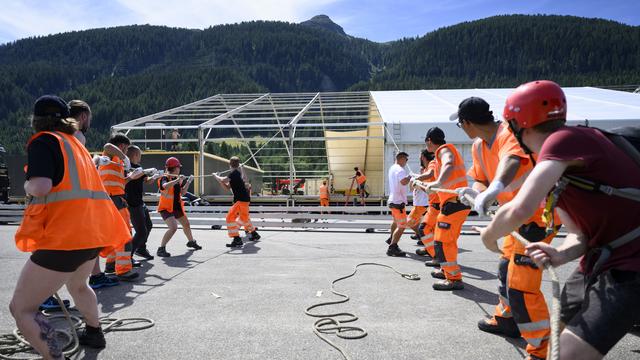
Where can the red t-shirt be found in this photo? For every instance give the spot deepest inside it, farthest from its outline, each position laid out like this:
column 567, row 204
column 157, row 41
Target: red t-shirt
column 602, row 218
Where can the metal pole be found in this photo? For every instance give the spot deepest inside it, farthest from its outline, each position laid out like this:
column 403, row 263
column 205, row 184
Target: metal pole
column 201, row 161
column 291, row 169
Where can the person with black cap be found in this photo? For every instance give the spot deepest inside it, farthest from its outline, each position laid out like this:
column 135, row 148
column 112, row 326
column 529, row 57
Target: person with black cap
column 500, row 166
column 453, row 213
column 398, row 181
column 68, row 222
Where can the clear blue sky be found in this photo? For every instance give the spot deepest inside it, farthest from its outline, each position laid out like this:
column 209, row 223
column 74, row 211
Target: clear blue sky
column 380, row 20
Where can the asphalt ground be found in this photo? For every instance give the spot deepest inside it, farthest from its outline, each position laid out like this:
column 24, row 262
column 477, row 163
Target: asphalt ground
column 218, row 303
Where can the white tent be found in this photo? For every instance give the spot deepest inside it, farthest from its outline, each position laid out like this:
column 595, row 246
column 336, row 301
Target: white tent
column 409, row 114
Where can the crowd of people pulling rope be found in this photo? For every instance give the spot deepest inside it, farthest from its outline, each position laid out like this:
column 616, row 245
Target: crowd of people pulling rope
column 80, row 209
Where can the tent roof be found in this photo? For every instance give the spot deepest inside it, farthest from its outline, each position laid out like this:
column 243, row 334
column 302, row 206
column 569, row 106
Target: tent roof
column 435, row 106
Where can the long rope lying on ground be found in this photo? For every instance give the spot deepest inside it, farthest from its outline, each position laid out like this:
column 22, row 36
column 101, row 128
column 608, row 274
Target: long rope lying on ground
column 334, row 323
column 555, row 282
column 14, row 343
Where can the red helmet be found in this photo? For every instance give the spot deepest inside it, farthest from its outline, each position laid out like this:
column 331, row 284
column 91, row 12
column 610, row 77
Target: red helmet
column 534, row 103
column 172, row 162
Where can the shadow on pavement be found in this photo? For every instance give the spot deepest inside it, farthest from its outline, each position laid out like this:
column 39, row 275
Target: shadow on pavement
column 477, row 294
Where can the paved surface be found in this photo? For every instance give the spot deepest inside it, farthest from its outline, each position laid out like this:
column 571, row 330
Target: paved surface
column 264, row 288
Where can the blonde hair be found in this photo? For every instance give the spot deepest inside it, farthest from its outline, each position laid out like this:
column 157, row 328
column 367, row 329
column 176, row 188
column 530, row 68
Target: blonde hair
column 77, row 107
column 50, row 123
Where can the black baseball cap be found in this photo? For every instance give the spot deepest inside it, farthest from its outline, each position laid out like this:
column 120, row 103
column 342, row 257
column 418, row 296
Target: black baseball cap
column 473, row 109
column 51, row 105
column 435, row 133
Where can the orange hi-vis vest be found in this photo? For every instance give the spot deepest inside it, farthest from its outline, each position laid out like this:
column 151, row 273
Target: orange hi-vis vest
column 457, row 177
column 433, row 197
column 486, row 160
column 167, row 196
column 77, row 213
column 112, row 176
column 324, row 192
column 361, row 179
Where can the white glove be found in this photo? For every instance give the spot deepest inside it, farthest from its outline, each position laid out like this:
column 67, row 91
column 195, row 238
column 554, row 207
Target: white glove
column 102, row 160
column 150, row 171
column 486, row 198
column 156, row 176
column 190, row 179
column 127, row 163
column 137, row 172
column 464, row 192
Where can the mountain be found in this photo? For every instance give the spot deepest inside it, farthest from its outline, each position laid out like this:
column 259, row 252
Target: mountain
column 130, row 71
column 325, row 23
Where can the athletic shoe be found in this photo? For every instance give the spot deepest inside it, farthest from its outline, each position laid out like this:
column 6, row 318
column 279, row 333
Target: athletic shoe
column 144, row 253
column 447, row 285
column 432, row 263
column 110, row 267
column 128, row 276
column 237, row 242
column 499, row 325
column 162, row 252
column 194, row 245
column 101, row 280
column 92, row 339
column 438, row 274
column 51, row 304
column 255, row 236
column 394, row 250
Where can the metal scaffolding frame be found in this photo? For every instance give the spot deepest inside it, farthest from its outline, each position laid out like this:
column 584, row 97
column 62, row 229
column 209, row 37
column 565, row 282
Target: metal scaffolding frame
column 287, row 126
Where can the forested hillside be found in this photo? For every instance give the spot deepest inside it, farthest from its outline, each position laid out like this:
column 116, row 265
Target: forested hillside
column 130, row 71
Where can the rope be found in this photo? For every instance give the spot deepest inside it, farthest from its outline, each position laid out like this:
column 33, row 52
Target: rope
column 14, row 343
column 334, row 323
column 555, row 282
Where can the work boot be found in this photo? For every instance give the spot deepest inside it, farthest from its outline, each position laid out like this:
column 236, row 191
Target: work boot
column 422, row 252
column 92, row 337
column 394, row 250
column 51, row 304
column 237, row 242
column 162, row 252
column 419, row 243
column 194, row 245
column 135, row 263
column 110, row 267
column 388, row 241
column 432, row 263
column 101, row 280
column 144, row 253
column 415, row 237
column 499, row 325
column 438, row 274
column 255, row 236
column 445, row 285
column 128, row 276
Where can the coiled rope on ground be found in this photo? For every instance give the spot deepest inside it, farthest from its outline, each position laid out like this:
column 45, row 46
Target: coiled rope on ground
column 14, row 344
column 334, row 323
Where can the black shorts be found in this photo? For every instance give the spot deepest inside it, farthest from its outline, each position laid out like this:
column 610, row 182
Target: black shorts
column 176, row 214
column 63, row 260
column 607, row 312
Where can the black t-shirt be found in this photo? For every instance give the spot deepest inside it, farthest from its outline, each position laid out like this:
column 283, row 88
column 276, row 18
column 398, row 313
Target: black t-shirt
column 240, row 192
column 44, row 159
column 134, row 189
column 177, row 196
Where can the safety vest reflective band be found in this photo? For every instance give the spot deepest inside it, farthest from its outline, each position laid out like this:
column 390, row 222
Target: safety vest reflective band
column 112, row 176
column 457, row 177
column 77, row 213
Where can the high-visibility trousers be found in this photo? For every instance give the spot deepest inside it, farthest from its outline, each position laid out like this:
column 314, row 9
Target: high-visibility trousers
column 429, row 221
column 527, row 303
column 324, row 202
column 448, row 226
column 122, row 254
column 238, row 216
column 415, row 215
